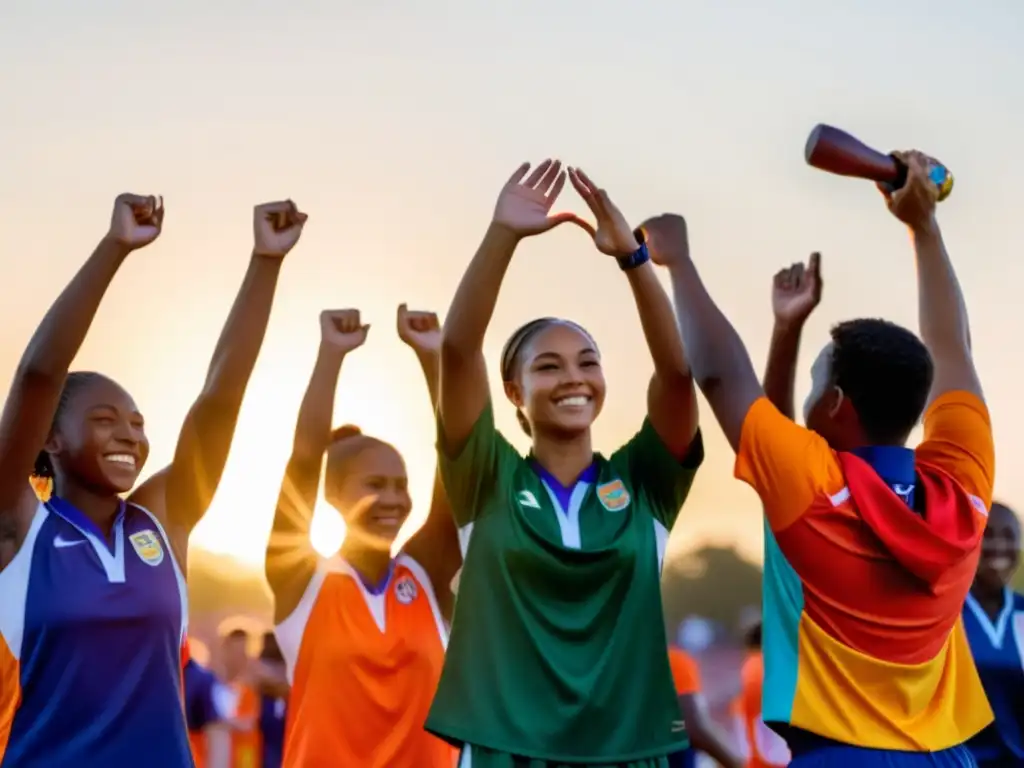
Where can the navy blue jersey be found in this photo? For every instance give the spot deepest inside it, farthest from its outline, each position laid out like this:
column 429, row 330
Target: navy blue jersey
column 200, row 706
column 91, row 636
column 998, row 649
column 272, row 718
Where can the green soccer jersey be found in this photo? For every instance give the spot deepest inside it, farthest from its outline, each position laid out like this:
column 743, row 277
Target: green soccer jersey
column 558, row 650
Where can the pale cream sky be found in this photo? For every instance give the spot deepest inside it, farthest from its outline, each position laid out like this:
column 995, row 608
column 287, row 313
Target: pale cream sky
column 394, row 124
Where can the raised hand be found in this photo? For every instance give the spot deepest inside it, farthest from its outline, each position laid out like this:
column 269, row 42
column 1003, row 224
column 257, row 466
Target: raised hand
column 524, row 205
column 420, row 330
column 342, row 329
column 136, row 220
column 796, row 291
column 276, row 228
column 667, row 238
column 914, row 203
column 612, row 235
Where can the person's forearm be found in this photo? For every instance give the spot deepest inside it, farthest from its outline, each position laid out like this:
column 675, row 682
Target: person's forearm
column 234, row 357
column 942, row 312
column 718, row 359
column 313, row 428
column 430, row 364
column 715, row 351
column 659, row 324
column 780, row 372
column 473, row 305
column 713, row 744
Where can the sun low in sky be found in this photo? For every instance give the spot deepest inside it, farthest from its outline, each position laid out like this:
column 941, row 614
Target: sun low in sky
column 393, row 125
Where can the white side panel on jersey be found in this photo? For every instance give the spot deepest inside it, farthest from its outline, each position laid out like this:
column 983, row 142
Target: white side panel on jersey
column 179, row 575
column 290, row 631
column 465, row 534
column 14, row 586
column 994, row 631
column 428, row 587
column 1018, row 634
column 661, row 540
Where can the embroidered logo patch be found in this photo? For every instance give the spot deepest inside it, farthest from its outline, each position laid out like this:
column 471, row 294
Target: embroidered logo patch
column 405, row 590
column 613, row 496
column 148, row 547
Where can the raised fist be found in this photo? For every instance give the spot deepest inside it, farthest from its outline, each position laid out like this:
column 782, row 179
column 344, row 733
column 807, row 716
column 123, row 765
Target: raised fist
column 276, row 228
column 136, row 220
column 420, row 330
column 342, row 329
column 667, row 238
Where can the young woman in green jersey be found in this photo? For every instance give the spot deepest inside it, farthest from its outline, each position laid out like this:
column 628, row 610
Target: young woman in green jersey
column 558, row 653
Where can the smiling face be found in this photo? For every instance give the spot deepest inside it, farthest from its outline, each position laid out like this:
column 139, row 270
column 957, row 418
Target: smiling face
column 1000, row 549
column 99, row 439
column 367, row 482
column 558, row 382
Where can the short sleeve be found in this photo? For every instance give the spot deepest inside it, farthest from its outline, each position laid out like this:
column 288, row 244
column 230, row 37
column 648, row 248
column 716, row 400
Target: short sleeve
column 655, row 473
column 786, row 464
column 471, row 472
column 207, row 710
column 685, row 672
column 958, row 440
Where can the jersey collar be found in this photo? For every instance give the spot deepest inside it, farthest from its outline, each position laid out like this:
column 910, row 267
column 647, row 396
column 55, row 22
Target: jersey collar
column 72, row 514
column 995, row 631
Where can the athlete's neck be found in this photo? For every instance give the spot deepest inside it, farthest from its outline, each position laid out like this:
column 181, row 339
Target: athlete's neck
column 991, row 600
column 100, row 508
column 371, row 562
column 565, row 458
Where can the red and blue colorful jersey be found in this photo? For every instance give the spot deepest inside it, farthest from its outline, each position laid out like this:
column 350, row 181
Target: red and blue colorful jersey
column 863, row 641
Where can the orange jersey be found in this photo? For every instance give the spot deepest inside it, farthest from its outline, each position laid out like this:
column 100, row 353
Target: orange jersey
column 862, row 635
column 762, row 747
column 363, row 669
column 241, row 703
column 685, row 672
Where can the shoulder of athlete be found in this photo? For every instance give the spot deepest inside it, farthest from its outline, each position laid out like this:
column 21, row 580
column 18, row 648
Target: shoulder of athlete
column 16, row 523
column 152, row 497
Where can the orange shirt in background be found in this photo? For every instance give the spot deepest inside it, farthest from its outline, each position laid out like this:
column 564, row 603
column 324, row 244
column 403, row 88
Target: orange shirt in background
column 762, row 746
column 246, row 748
column 685, row 672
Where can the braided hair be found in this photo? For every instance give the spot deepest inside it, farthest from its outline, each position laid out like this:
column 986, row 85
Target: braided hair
column 515, row 345
column 75, row 381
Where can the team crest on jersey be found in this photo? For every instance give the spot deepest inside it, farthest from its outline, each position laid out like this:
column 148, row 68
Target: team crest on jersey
column 405, row 590
column 148, row 547
column 613, row 496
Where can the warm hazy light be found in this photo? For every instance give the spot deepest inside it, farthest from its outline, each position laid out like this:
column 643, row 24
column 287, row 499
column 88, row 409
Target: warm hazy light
column 395, row 128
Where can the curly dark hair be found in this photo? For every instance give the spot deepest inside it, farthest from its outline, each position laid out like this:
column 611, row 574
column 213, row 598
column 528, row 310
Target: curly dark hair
column 886, row 372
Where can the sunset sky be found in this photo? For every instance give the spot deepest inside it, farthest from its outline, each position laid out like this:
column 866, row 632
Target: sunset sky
column 394, row 124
